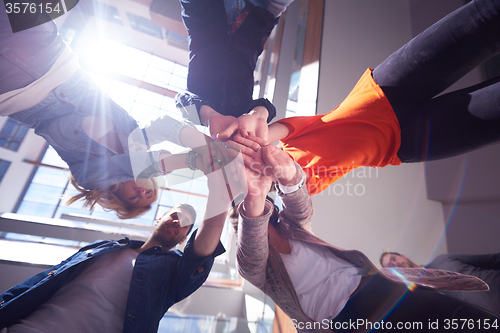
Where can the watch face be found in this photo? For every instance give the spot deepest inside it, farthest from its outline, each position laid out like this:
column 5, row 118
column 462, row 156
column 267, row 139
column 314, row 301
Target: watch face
column 25, row 15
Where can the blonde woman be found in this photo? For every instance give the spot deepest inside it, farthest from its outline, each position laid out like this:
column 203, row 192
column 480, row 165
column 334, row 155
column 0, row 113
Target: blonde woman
column 43, row 86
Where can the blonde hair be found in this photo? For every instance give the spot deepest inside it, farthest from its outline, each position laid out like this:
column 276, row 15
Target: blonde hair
column 108, row 199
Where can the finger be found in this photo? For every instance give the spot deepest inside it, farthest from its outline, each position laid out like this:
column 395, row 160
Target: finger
column 228, row 132
column 270, row 162
column 247, row 142
column 245, row 150
column 257, row 140
column 243, row 132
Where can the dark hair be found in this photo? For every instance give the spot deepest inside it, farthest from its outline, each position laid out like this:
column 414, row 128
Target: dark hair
column 384, row 253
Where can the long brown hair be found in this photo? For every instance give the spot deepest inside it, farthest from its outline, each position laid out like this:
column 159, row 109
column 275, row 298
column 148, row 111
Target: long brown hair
column 108, row 199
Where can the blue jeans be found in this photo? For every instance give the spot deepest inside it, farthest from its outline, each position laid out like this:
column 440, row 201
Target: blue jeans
column 454, row 123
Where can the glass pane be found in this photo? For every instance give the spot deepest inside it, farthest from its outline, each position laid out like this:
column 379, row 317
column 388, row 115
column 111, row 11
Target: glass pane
column 13, row 145
column 157, row 77
column 50, row 176
column 136, row 56
column 36, row 209
column 123, row 94
column 199, row 186
column 180, row 70
column 20, row 132
column 52, row 158
column 75, row 208
column 179, row 197
column 161, row 63
column 178, row 83
column 169, row 105
column 43, row 194
column 162, row 210
column 172, row 324
column 197, row 202
column 103, row 82
column 149, row 98
column 199, row 325
column 144, row 25
column 134, row 70
column 4, row 165
column 144, row 113
column 9, row 126
column 178, row 182
column 166, row 199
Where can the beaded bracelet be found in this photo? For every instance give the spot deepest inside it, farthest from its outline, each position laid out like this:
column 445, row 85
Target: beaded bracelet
column 191, row 160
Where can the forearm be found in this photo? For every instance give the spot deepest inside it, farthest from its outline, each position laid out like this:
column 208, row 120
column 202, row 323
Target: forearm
column 260, row 112
column 253, row 246
column 208, row 234
column 170, row 162
column 192, row 138
column 277, row 132
column 162, row 129
column 253, row 205
column 297, row 206
column 214, row 219
column 207, row 112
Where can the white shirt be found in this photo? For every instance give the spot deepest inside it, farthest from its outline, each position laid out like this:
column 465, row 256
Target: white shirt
column 26, row 97
column 323, row 282
column 94, row 301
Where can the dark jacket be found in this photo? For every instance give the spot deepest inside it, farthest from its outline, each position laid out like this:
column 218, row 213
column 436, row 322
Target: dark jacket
column 159, row 280
column 222, row 61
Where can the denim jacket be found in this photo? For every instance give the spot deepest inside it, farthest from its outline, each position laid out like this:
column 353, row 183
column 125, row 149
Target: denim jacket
column 58, row 119
column 159, row 280
column 222, row 58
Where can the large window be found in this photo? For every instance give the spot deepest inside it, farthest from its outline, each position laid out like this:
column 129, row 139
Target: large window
column 4, row 165
column 144, row 25
column 43, row 197
column 106, row 12
column 47, row 194
column 12, row 134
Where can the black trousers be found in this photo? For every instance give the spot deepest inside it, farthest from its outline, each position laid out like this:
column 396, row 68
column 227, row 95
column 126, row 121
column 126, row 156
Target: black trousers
column 385, row 306
column 451, row 124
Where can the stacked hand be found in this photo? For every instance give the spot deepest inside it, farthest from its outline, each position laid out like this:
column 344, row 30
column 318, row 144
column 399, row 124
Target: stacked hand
column 253, row 123
column 266, row 159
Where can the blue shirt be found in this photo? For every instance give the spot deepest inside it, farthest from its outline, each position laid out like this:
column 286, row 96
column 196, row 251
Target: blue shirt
column 58, row 119
column 159, row 280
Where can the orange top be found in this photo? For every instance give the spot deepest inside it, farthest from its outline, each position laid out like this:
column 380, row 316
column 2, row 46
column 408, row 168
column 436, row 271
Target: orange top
column 362, row 131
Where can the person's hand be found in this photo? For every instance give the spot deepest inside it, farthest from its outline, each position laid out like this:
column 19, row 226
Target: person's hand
column 258, row 183
column 219, row 123
column 226, row 180
column 253, row 123
column 265, row 158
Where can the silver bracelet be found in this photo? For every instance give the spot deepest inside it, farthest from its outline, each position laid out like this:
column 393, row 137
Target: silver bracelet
column 288, row 189
column 191, row 160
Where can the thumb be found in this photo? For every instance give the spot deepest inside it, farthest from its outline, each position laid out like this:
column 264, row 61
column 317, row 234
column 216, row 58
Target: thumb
column 228, row 132
column 269, row 161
